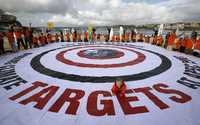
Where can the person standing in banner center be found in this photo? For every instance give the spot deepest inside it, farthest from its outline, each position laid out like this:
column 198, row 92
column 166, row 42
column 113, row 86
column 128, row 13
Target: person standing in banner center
column 119, row 88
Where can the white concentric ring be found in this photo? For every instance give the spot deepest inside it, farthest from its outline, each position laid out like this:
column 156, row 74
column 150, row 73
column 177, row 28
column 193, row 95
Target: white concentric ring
column 56, row 65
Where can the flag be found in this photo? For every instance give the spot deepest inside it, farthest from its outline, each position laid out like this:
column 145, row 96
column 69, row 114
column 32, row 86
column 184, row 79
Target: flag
column 90, row 28
column 50, row 25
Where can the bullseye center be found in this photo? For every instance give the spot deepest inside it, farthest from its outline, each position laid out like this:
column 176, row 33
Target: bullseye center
column 100, row 54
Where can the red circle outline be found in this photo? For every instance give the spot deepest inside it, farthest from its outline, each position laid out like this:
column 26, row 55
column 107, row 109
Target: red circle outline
column 60, row 57
column 117, row 55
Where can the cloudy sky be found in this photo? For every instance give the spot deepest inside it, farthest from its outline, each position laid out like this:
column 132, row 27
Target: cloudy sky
column 102, row 12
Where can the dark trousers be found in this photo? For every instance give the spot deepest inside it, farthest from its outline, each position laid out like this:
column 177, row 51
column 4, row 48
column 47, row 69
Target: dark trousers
column 196, row 54
column 85, row 40
column 2, row 51
column 19, row 42
column 133, row 40
column 36, row 45
column 140, row 40
column 182, row 49
column 28, row 42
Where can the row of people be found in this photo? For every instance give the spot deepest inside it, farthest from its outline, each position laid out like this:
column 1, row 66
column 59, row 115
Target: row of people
column 186, row 44
column 28, row 39
column 25, row 38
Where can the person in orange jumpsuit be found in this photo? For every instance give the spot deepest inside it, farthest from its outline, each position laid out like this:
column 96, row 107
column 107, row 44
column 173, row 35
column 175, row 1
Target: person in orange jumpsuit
column 67, row 37
column 2, row 50
column 147, row 39
column 196, row 51
column 74, row 36
column 35, row 41
column 28, row 36
column 42, row 39
column 11, row 40
column 18, row 34
column 113, row 38
column 155, row 39
column 178, row 44
column 182, row 45
column 99, row 37
column 61, row 36
column 123, row 38
column 79, row 37
column 127, row 37
column 106, row 37
column 133, row 36
column 85, row 36
column 188, row 45
column 49, row 38
column 117, row 38
column 57, row 37
column 159, row 40
column 119, row 87
column 171, row 40
column 141, row 38
column 93, row 36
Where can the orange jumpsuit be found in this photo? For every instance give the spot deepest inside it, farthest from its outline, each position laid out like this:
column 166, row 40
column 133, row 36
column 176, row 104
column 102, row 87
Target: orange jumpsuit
column 93, row 36
column 10, row 37
column 35, row 40
column 67, row 37
column 73, row 37
column 197, row 45
column 18, row 34
column 127, row 37
column 159, row 40
column 86, row 36
column 123, row 37
column 79, row 37
column 113, row 38
column 49, row 38
column 171, row 39
column 188, row 43
column 141, row 38
column 119, row 91
column 117, row 38
column 57, row 38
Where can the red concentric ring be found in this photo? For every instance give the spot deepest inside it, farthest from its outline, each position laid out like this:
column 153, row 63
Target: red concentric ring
column 140, row 58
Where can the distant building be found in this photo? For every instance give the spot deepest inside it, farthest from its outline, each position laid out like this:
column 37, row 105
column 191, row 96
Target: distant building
column 7, row 20
column 183, row 25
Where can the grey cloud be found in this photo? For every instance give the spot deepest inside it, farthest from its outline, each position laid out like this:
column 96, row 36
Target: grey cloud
column 102, row 12
column 39, row 6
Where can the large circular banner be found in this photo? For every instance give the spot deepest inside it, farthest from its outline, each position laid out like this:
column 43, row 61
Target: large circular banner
column 70, row 83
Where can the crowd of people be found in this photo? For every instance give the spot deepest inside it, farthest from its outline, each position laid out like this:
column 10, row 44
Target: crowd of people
column 25, row 38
